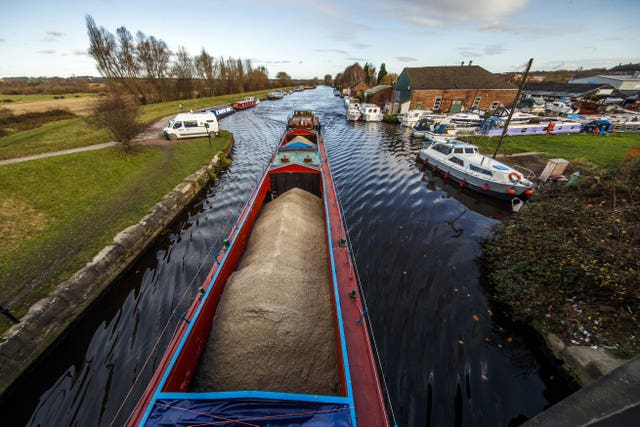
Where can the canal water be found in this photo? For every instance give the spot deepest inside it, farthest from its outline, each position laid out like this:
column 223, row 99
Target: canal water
column 447, row 357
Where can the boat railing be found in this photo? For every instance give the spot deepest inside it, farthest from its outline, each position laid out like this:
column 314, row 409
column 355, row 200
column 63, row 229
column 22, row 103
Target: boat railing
column 527, row 173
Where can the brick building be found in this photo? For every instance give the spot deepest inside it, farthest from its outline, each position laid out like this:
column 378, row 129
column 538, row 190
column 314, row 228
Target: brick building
column 451, row 89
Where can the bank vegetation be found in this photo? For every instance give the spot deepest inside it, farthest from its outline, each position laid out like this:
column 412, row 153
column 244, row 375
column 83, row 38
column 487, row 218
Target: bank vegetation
column 569, row 262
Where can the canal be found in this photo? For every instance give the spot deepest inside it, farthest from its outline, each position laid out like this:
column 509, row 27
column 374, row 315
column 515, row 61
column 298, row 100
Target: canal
column 447, row 357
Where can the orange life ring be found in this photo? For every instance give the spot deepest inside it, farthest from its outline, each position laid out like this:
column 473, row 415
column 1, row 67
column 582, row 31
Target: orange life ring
column 515, row 176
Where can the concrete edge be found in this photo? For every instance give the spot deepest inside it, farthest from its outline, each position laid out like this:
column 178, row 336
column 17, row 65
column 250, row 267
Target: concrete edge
column 48, row 319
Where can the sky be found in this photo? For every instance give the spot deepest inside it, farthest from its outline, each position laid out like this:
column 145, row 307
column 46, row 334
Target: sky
column 307, row 39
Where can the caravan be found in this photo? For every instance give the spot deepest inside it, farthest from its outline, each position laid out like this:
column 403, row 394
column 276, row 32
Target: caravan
column 190, row 125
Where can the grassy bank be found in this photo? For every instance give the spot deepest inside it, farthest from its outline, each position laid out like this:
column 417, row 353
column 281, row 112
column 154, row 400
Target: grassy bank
column 65, row 134
column 585, row 149
column 570, row 261
column 57, row 213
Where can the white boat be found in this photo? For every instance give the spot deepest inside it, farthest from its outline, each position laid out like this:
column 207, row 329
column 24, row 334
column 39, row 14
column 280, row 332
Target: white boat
column 471, row 117
column 371, row 113
column 517, row 117
column 411, row 117
column 276, row 94
column 433, row 137
column 463, row 163
column 353, row 111
column 559, row 107
column 252, row 98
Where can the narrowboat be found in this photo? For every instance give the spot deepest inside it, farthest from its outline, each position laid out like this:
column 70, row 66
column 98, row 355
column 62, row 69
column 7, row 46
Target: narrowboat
column 245, row 103
column 278, row 333
column 220, row 111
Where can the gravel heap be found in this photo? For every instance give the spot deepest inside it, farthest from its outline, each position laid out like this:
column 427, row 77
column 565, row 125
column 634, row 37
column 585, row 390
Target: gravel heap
column 273, row 330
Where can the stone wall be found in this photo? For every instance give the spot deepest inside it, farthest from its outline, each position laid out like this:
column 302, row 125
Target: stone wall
column 49, row 318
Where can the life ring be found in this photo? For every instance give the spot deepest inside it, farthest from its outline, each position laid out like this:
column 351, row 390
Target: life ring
column 515, row 176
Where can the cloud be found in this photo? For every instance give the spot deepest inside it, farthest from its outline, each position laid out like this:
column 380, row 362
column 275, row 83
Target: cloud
column 80, row 52
column 501, row 27
column 340, row 51
column 439, row 12
column 47, row 52
column 2, row 40
column 405, row 59
column 272, row 61
column 351, row 58
column 361, row 45
column 53, row 36
column 494, row 49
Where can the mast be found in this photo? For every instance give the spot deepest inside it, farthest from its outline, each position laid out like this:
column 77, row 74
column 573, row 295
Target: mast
column 513, row 107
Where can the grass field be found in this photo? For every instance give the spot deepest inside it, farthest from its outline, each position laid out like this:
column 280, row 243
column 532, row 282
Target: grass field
column 74, row 133
column 56, row 213
column 585, row 149
column 77, row 103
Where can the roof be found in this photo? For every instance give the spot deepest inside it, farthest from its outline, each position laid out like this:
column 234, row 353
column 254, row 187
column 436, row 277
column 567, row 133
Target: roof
column 377, row 89
column 564, row 89
column 455, row 77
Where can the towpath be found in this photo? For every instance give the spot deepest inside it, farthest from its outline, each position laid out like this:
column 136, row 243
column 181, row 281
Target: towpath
column 58, row 153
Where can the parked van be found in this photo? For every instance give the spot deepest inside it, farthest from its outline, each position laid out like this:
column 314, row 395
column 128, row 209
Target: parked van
column 191, row 125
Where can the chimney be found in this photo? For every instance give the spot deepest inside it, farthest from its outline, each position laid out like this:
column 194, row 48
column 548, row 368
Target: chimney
column 462, row 64
column 470, row 62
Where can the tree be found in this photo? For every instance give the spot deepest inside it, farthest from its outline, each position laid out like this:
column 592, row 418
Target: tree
column 388, row 79
column 119, row 116
column 382, row 72
column 284, row 78
column 183, row 71
column 205, row 71
column 154, row 57
column 327, row 80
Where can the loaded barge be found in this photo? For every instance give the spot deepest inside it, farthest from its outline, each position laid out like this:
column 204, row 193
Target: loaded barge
column 278, row 334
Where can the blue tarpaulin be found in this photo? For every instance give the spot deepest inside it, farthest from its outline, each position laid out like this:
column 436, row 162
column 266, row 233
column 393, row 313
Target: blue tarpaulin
column 246, row 412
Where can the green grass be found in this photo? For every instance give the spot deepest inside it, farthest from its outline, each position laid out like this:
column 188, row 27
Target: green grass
column 55, row 136
column 61, row 209
column 587, row 149
column 77, row 133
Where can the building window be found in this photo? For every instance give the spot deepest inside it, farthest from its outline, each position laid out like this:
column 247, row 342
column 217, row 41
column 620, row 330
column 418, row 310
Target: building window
column 437, row 102
column 495, row 104
column 476, row 102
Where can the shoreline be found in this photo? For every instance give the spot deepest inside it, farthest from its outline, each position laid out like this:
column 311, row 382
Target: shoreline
column 48, row 319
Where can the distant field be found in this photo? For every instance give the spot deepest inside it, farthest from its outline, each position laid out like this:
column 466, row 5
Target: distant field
column 77, row 103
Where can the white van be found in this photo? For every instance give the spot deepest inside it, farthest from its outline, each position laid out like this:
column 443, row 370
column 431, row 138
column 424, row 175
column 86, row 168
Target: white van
column 191, row 125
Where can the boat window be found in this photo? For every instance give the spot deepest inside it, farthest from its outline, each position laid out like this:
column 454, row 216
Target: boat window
column 190, row 123
column 442, row 149
column 481, row 170
column 457, row 160
column 469, row 150
column 523, row 130
column 177, row 125
column 458, row 150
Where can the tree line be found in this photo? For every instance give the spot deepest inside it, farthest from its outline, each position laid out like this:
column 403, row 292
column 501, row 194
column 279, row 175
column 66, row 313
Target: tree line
column 146, row 69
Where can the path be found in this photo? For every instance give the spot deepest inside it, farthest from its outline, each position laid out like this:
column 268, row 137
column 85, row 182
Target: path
column 152, row 135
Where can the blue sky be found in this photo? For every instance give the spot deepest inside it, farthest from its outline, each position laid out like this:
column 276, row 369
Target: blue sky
column 308, row 39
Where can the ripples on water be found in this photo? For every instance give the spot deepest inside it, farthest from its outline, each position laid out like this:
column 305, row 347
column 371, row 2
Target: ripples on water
column 446, row 359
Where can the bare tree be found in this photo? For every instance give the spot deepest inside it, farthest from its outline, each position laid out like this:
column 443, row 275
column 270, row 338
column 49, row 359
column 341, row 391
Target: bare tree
column 155, row 57
column 183, row 71
column 119, row 116
column 205, row 71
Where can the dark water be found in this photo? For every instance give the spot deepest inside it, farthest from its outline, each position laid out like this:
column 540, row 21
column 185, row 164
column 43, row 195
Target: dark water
column 447, row 358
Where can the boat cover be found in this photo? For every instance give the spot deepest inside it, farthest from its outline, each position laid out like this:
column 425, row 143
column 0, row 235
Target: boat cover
column 299, row 143
column 185, row 412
